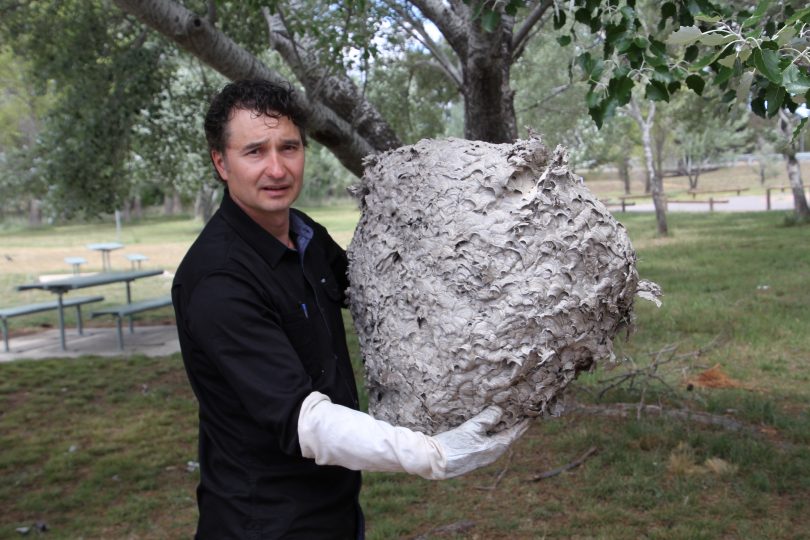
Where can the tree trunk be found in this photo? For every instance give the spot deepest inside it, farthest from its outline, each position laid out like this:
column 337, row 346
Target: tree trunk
column 624, row 173
column 489, row 112
column 786, row 124
column 656, row 184
column 35, row 213
column 794, row 173
column 206, row 202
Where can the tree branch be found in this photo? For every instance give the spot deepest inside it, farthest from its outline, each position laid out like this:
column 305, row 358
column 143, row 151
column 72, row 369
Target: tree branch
column 417, row 30
column 335, row 90
column 197, row 36
column 567, row 467
column 449, row 23
column 521, row 37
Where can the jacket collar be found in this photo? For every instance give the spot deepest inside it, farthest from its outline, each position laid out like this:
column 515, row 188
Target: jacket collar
column 264, row 243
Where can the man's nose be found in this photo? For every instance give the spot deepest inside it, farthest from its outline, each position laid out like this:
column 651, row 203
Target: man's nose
column 273, row 166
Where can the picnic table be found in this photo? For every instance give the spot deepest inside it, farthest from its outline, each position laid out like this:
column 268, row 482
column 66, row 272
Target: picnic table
column 62, row 286
column 105, row 248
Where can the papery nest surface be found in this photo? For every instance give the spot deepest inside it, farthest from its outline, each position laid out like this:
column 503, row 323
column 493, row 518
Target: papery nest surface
column 483, row 274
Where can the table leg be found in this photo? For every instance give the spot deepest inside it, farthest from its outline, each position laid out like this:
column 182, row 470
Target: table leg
column 131, row 321
column 61, row 322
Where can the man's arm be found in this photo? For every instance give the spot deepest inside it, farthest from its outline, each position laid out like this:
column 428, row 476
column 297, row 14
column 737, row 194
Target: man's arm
column 336, row 435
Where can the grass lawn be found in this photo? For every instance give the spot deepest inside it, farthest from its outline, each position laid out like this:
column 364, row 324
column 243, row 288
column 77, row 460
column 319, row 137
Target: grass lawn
column 100, row 448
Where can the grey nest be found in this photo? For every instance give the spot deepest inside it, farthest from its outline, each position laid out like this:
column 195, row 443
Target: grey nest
column 483, row 274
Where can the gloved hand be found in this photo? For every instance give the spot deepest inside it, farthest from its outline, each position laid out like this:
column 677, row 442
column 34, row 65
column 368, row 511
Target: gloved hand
column 336, row 435
column 469, row 447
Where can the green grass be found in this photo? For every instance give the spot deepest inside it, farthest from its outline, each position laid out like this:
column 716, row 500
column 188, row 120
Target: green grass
column 98, row 448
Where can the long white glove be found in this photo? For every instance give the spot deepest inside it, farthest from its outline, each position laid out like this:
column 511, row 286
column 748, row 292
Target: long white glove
column 336, row 435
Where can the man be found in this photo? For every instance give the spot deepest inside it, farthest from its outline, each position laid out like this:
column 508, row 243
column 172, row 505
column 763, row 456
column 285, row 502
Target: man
column 258, row 302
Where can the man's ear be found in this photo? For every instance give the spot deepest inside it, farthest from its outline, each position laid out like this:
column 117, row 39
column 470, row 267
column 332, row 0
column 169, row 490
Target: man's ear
column 220, row 164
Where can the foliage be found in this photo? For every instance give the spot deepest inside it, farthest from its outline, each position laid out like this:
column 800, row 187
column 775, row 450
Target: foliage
column 106, row 71
column 695, row 43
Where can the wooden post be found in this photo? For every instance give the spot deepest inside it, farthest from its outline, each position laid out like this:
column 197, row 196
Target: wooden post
column 711, row 204
column 623, row 204
column 767, row 198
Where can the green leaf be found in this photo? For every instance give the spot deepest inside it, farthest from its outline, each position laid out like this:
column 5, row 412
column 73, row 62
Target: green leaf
column 668, row 10
column 685, row 35
column 767, row 62
column 801, row 14
column 583, row 16
column 754, row 19
column 559, row 19
column 714, row 39
column 620, row 89
column 758, row 106
column 728, row 61
column 785, row 35
column 744, row 87
column 724, row 74
column 706, row 60
column 691, row 53
column 564, row 40
column 490, row 20
column 673, row 87
column 658, row 48
column 657, row 91
column 696, row 84
column 708, row 18
column 774, row 97
column 795, row 80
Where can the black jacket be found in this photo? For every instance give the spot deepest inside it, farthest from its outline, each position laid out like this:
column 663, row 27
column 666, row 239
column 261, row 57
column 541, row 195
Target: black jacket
column 260, row 328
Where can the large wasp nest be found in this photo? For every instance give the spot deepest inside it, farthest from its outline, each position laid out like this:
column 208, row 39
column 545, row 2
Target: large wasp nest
column 483, row 274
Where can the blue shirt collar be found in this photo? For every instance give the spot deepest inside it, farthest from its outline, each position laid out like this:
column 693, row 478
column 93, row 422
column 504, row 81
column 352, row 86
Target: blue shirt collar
column 303, row 232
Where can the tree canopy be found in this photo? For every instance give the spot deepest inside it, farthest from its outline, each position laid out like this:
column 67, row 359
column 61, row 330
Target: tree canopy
column 376, row 75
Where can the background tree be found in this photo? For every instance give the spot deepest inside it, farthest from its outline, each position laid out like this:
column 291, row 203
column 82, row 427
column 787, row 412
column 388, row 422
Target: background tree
column 704, row 132
column 335, row 53
column 23, row 105
column 106, row 70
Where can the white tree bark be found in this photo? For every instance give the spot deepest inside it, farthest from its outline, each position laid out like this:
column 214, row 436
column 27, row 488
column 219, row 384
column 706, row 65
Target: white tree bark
column 645, row 123
column 787, row 124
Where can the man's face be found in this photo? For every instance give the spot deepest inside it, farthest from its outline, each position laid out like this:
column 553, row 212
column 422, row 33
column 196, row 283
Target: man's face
column 263, row 165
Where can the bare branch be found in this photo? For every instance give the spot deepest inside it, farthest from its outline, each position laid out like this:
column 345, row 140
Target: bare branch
column 450, row 24
column 567, row 467
column 521, row 37
column 417, row 30
column 197, row 36
column 556, row 91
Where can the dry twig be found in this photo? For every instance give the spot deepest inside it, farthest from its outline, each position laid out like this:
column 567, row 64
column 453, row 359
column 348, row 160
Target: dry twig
column 567, row 467
column 500, row 475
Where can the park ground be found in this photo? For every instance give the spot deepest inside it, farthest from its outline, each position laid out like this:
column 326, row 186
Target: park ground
column 701, row 430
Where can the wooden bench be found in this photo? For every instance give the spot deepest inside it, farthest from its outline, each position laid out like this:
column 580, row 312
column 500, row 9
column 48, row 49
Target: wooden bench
column 128, row 310
column 711, row 202
column 77, row 302
column 695, row 192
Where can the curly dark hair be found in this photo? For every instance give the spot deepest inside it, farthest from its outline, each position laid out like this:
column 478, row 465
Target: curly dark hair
column 257, row 95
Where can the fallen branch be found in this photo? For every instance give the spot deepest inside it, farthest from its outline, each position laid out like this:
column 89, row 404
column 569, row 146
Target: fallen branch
column 500, row 475
column 625, row 410
column 567, row 467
